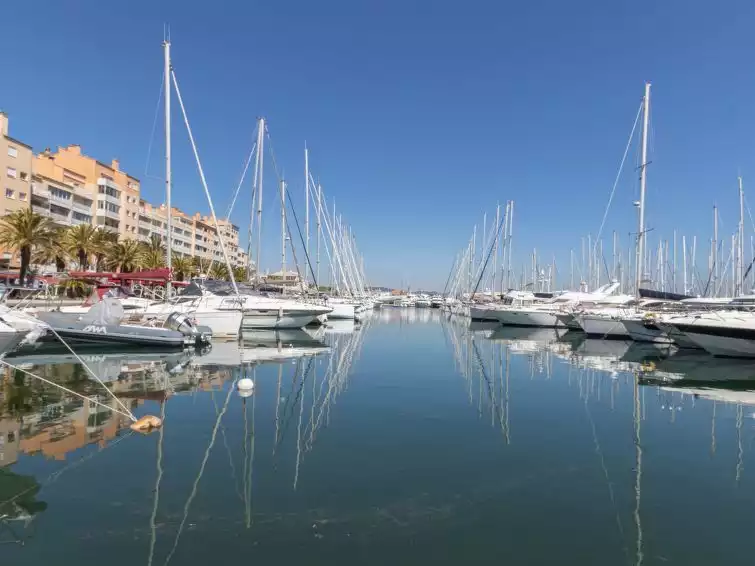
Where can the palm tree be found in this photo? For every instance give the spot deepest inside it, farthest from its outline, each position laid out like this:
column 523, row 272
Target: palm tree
column 239, row 273
column 80, row 242
column 153, row 253
column 104, row 242
column 182, row 266
column 53, row 250
column 124, row 256
column 201, row 265
column 218, row 271
column 24, row 231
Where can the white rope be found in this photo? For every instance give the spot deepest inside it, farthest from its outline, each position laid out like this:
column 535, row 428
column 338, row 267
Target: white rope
column 154, row 126
column 236, row 193
column 130, row 416
column 618, row 175
column 204, row 183
column 94, row 375
column 194, row 487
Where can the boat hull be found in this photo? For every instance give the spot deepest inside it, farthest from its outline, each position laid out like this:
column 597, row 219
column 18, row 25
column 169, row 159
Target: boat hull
column 724, row 342
column 642, row 332
column 543, row 319
column 603, row 327
column 276, row 319
column 483, row 313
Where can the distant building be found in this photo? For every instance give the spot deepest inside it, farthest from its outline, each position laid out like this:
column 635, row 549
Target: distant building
column 15, row 173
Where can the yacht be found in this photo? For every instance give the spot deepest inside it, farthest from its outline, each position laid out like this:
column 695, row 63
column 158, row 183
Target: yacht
column 729, row 333
column 546, row 313
column 215, row 304
column 605, row 318
column 422, row 301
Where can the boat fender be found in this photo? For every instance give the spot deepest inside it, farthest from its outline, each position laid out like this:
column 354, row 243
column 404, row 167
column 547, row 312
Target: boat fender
column 245, row 387
column 146, row 424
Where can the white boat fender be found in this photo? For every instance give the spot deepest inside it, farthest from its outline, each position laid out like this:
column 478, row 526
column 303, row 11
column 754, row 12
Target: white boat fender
column 245, row 387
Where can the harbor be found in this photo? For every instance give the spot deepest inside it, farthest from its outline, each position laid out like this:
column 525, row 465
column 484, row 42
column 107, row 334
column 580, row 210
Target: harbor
column 343, row 283
column 356, row 441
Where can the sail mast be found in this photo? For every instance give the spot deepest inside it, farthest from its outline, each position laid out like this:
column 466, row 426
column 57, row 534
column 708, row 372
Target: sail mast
column 169, row 241
column 640, row 264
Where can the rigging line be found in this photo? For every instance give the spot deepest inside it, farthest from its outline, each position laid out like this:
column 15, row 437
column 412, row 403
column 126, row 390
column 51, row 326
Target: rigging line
column 204, row 182
column 611, row 493
column 71, row 391
column 154, row 125
column 296, row 260
column 618, row 176
column 153, row 517
column 194, row 487
column 90, row 372
column 301, row 237
column 485, row 265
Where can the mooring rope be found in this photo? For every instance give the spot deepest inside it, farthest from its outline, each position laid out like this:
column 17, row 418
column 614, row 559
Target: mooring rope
column 94, row 375
column 71, row 391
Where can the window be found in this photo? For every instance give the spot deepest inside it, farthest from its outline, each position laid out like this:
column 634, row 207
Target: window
column 10, row 193
column 12, row 151
column 24, row 176
column 11, row 172
column 21, row 196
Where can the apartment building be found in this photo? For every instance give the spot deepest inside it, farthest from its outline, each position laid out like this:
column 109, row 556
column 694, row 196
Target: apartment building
column 195, row 235
column 114, row 193
column 15, row 178
column 56, row 193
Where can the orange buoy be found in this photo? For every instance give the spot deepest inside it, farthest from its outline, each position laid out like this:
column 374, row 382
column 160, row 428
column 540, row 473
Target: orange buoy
column 146, row 424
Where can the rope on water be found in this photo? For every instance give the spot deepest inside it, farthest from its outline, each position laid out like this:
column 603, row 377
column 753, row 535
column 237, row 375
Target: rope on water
column 94, row 375
column 72, row 392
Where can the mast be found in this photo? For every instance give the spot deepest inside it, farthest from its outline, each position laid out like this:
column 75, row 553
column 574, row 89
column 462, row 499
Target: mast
column 640, row 264
column 511, row 234
column 684, row 263
column 319, row 228
column 306, row 198
column 741, row 243
column 495, row 251
column 283, row 228
column 169, row 224
column 261, row 154
column 714, row 250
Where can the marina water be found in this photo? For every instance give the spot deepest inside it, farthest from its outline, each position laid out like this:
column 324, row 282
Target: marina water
column 413, row 438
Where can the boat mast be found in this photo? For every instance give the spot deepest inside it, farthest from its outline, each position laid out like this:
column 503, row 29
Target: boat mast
column 283, row 228
column 511, row 234
column 714, row 250
column 684, row 263
column 495, row 251
column 168, row 254
column 261, row 154
column 741, row 243
column 319, row 228
column 640, row 264
column 306, row 198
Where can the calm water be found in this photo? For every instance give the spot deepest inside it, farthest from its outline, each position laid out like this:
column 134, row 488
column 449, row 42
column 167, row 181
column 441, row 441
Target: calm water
column 411, row 439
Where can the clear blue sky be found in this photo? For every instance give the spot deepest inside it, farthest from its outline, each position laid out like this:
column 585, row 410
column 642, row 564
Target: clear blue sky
column 419, row 115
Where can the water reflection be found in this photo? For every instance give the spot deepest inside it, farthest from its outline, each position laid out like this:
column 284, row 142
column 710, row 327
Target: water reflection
column 357, row 439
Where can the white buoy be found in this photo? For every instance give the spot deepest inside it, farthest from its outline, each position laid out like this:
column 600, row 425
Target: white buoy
column 245, row 387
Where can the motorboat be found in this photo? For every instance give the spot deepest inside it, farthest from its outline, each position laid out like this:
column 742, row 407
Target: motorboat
column 720, row 333
column 102, row 325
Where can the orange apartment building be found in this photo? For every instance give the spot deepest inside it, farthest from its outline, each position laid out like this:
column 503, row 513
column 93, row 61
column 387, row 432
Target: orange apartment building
column 15, row 173
column 72, row 188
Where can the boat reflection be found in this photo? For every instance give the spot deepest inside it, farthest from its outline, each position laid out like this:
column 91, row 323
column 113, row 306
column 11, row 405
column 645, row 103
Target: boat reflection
column 260, row 346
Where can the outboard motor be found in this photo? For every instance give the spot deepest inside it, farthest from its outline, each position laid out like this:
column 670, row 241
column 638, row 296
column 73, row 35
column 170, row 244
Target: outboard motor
column 180, row 322
column 183, row 323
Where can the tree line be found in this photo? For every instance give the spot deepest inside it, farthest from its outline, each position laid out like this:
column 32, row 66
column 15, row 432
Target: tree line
column 38, row 241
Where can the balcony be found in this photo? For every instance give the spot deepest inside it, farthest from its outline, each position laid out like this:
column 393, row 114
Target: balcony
column 103, row 182
column 109, row 198
column 83, row 206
